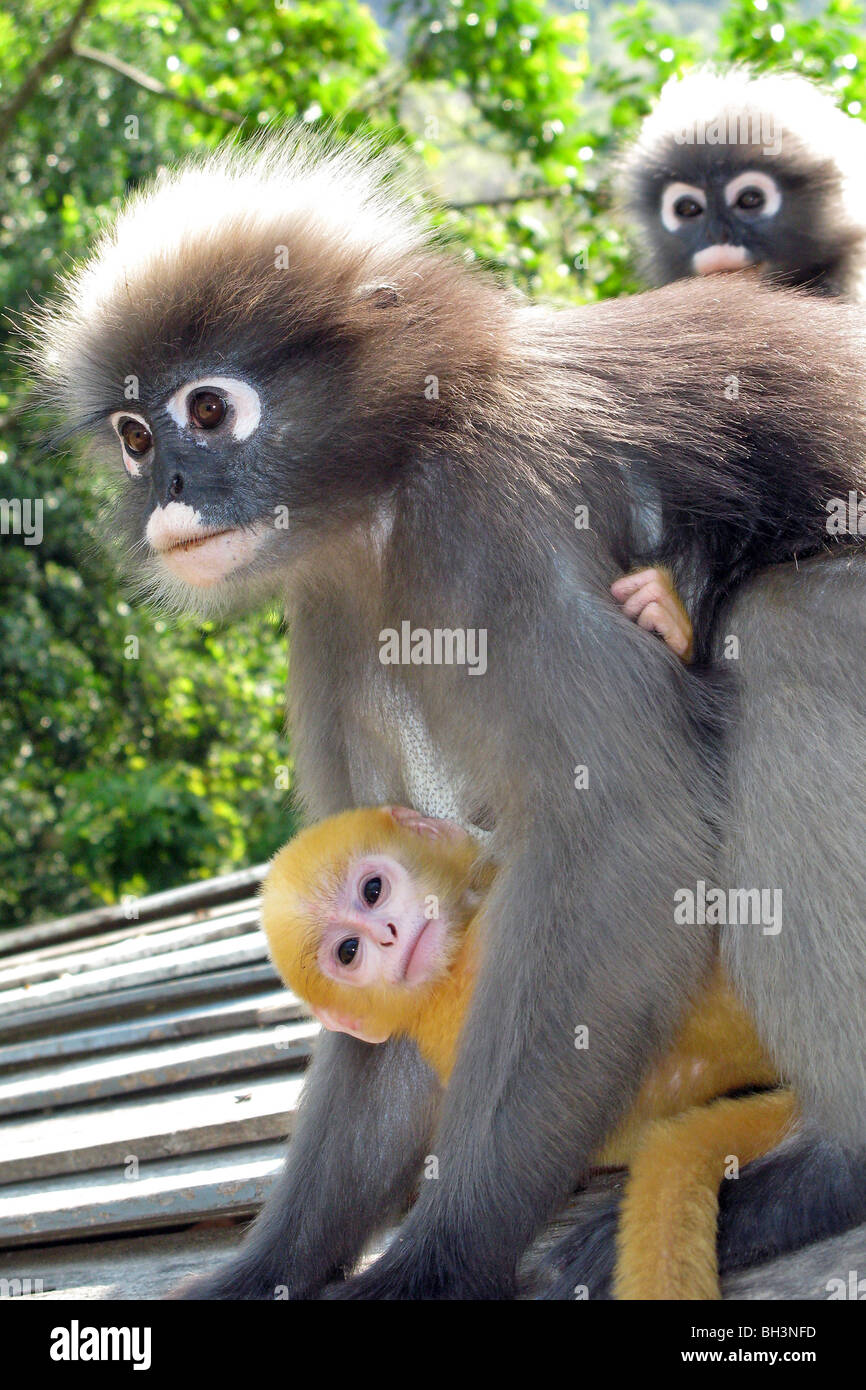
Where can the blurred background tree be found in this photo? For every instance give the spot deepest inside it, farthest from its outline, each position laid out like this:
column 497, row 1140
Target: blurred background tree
column 133, row 765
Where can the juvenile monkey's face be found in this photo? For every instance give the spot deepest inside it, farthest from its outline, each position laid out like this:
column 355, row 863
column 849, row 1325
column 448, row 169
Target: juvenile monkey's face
column 724, row 221
column 718, row 210
column 366, row 914
column 381, row 931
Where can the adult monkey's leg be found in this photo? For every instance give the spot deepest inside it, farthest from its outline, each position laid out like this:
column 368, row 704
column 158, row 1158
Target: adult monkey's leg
column 362, row 1132
column 565, row 959
column 797, row 831
column 367, row 1113
column 797, row 827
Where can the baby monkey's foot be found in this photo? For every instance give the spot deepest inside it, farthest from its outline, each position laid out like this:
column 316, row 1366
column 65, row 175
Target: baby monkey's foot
column 649, row 597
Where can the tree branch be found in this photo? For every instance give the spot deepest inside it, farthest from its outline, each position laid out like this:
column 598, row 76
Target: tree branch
column 152, row 84
column 530, row 195
column 54, row 54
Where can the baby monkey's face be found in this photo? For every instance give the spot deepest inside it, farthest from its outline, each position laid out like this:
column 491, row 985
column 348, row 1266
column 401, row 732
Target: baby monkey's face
column 383, row 930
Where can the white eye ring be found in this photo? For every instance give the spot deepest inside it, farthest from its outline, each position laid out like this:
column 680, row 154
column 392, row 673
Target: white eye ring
column 672, row 195
column 132, row 465
column 753, row 178
column 244, row 400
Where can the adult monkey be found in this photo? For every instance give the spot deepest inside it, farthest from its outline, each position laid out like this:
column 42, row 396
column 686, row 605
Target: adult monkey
column 296, row 348
column 731, row 170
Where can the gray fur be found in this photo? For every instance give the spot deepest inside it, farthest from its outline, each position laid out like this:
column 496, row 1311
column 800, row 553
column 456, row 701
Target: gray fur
column 796, row 791
column 535, row 412
column 830, row 1269
column 797, row 772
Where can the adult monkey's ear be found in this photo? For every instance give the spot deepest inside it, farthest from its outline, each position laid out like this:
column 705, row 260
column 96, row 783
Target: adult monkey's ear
column 431, row 826
column 380, row 296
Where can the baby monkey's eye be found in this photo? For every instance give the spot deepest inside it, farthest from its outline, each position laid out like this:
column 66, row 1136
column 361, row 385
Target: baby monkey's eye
column 371, row 890
column 136, row 437
column 751, row 198
column 687, row 207
column 347, row 950
column 207, row 409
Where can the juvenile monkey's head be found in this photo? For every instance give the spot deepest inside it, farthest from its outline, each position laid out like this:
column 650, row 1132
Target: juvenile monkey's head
column 247, row 351
column 366, row 914
column 731, row 170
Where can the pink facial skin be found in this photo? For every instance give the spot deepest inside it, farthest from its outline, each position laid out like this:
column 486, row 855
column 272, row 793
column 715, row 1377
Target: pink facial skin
column 200, row 555
column 720, row 258
column 379, row 920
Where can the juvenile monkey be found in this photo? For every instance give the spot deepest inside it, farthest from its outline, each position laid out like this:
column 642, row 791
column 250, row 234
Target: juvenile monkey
column 734, row 169
column 373, row 918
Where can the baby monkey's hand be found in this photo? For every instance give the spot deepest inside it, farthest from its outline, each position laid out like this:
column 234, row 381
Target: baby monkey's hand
column 649, row 597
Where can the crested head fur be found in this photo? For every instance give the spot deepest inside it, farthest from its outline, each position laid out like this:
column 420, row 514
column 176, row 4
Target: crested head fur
column 300, row 267
column 217, row 223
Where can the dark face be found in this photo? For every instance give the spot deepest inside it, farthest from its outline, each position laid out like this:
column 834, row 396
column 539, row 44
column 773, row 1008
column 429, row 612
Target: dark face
column 239, row 446
column 721, row 223
column 713, row 210
column 256, row 346
column 181, row 453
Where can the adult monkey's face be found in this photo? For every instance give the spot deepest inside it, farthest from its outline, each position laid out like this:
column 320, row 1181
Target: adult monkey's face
column 182, row 455
column 251, row 373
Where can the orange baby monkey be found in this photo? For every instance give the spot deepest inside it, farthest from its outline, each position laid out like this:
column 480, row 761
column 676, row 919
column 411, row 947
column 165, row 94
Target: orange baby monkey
column 368, row 918
column 372, row 918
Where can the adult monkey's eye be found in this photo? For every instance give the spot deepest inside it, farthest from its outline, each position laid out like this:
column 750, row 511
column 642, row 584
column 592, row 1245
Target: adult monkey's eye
column 137, row 438
column 687, row 207
column 347, row 950
column 751, row 198
column 207, row 409
column 371, row 890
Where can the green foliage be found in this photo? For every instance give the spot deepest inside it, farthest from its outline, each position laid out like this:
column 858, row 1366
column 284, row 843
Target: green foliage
column 136, row 755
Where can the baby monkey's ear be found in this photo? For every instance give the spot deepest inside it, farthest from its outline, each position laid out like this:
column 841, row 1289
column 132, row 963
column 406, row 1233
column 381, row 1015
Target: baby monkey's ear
column 336, row 1022
column 426, row 825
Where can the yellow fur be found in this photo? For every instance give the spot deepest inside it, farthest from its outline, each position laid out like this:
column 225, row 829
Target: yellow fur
column 666, row 1242
column 716, row 1050
column 299, row 890
column 678, row 1134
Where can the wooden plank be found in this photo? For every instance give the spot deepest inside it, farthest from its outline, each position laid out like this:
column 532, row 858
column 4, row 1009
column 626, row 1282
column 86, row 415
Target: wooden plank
column 127, row 948
column 130, row 929
column 192, row 895
column 137, row 1266
column 171, row 1192
column 121, row 1003
column 149, row 1265
column 237, row 950
column 168, row 1064
column 103, row 1134
column 271, row 1006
